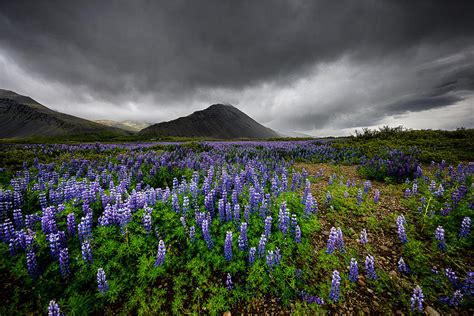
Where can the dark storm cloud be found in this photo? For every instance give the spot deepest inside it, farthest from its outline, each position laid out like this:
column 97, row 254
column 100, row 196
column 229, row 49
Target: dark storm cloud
column 177, row 53
column 424, row 103
column 115, row 45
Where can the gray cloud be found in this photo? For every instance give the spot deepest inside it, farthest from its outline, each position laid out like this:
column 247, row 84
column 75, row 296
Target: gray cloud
column 295, row 65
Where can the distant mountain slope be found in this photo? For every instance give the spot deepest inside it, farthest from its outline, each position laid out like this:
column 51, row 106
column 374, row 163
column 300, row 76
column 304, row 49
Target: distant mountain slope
column 21, row 116
column 217, row 121
column 132, row 126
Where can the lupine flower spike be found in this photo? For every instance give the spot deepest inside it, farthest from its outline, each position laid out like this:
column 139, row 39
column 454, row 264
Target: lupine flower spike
column 335, row 289
column 417, row 299
column 402, row 266
column 102, row 281
column 439, row 235
column 53, row 308
column 370, row 267
column 353, row 271
column 160, row 257
column 465, row 228
column 229, row 283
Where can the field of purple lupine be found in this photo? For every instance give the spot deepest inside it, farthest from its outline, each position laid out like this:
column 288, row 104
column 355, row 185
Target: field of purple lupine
column 250, row 227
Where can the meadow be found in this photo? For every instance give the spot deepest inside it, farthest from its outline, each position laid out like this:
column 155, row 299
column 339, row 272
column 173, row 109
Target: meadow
column 377, row 223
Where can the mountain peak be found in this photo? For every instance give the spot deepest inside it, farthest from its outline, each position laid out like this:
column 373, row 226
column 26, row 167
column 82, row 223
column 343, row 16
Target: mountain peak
column 220, row 121
column 222, row 106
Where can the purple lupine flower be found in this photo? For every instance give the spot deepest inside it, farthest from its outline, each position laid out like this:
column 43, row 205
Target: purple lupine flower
column 42, row 200
column 11, row 248
column 367, row 186
column 228, row 212
column 346, row 194
column 54, row 245
column 309, row 205
column 53, row 309
column 252, row 252
column 283, row 183
column 332, row 240
column 312, row 299
column 247, row 211
column 376, row 196
column 175, row 202
column 328, row 197
column 444, row 211
column 71, row 224
column 340, row 241
column 236, row 213
column 185, row 208
column 86, row 252
column 306, row 192
column 64, row 262
column 228, row 246
column 125, row 215
column 294, row 220
column 297, row 234
column 335, row 289
column 30, row 220
column 7, row 230
column 205, row 233
column 407, row 192
column 283, row 218
column 192, row 233
column 235, row 197
column 268, row 226
column 401, row 229
column 370, row 267
column 432, row 185
column 402, row 266
column 419, row 171
column 102, row 284
column 18, row 219
column 451, row 275
column 353, row 271
column 48, row 221
column 417, row 299
column 270, row 259
column 440, row 191
column 182, row 219
column 147, row 220
column 261, row 246
column 439, row 235
column 229, row 283
column 277, row 256
column 363, row 237
column 84, row 228
column 31, row 262
column 359, row 197
column 243, row 241
column 468, row 286
column 465, row 227
column 221, row 208
column 456, row 299
column 160, row 257
column 414, row 188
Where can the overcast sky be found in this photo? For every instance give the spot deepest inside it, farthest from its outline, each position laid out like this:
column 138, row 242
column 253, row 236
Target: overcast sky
column 318, row 67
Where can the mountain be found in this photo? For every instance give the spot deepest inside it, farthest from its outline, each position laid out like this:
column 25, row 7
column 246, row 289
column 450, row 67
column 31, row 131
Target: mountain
column 294, row 134
column 218, row 121
column 21, row 116
column 136, row 125
column 131, row 126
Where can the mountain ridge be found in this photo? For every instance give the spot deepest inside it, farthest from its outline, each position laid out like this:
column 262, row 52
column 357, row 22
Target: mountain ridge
column 22, row 116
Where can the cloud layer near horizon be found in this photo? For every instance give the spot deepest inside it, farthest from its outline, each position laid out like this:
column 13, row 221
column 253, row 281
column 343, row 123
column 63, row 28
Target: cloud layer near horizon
column 312, row 66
